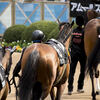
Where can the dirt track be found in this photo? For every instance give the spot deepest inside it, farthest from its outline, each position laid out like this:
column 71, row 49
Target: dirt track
column 75, row 96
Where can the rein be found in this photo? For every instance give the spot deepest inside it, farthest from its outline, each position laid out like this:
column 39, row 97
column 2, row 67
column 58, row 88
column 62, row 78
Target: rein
column 12, row 81
column 60, row 77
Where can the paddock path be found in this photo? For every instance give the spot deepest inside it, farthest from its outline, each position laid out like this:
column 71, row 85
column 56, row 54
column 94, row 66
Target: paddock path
column 83, row 96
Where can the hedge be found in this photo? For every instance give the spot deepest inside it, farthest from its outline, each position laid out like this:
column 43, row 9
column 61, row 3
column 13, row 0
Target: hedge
column 13, row 33
column 22, row 32
column 50, row 29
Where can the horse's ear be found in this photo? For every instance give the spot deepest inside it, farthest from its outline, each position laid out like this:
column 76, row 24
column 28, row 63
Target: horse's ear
column 58, row 21
column 72, row 23
column 3, row 50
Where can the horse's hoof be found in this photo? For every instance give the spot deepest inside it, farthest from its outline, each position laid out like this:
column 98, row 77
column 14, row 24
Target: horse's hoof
column 97, row 92
column 94, row 98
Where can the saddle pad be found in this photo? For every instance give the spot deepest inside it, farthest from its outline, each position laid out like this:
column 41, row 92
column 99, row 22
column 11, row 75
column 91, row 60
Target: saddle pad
column 2, row 77
column 60, row 49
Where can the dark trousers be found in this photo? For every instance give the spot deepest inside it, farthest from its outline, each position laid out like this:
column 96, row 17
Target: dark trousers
column 74, row 59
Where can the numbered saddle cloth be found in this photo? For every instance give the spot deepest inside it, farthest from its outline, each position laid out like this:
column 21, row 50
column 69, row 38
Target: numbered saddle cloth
column 60, row 49
column 2, row 77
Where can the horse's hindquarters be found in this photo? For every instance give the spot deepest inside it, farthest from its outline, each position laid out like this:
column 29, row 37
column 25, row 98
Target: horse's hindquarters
column 90, row 35
column 39, row 67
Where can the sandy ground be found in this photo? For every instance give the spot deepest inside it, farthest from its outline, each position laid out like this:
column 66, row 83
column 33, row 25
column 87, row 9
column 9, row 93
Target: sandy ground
column 75, row 96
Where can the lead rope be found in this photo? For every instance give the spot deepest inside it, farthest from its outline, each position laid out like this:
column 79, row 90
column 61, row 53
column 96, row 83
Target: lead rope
column 12, row 81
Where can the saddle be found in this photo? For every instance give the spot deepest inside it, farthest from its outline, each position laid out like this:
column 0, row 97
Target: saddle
column 60, row 49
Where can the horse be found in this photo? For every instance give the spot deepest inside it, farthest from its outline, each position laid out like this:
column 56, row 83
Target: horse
column 90, row 45
column 41, row 71
column 5, row 65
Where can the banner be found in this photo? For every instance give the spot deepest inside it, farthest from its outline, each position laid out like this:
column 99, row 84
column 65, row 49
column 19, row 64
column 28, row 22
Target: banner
column 79, row 7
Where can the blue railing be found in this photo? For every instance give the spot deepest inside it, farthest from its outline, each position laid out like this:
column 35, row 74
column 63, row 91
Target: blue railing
column 27, row 13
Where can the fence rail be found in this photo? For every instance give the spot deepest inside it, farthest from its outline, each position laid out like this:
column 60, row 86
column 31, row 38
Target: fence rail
column 13, row 12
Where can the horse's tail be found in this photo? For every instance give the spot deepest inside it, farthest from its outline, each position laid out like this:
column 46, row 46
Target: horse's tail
column 92, row 57
column 28, row 79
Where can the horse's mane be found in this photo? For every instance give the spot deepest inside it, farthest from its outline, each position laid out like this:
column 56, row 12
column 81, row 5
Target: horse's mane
column 65, row 32
column 62, row 33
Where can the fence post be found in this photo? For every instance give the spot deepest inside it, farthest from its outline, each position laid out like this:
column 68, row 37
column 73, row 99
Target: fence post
column 70, row 19
column 12, row 12
column 42, row 10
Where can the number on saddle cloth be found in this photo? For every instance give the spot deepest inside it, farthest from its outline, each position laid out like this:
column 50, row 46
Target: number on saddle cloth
column 2, row 77
column 60, row 49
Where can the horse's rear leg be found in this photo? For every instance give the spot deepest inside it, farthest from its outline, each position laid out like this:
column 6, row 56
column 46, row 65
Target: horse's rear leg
column 97, row 82
column 52, row 94
column 60, row 90
column 46, row 91
column 5, row 93
column 93, row 89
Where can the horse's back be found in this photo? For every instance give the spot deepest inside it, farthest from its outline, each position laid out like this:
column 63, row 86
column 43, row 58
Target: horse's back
column 46, row 52
column 90, row 35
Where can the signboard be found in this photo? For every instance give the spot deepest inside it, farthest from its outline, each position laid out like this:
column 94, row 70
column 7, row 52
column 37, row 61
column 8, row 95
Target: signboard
column 79, row 7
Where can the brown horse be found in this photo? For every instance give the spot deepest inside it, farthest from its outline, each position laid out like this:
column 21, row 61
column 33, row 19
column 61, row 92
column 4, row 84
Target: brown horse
column 91, row 14
column 5, row 65
column 41, row 71
column 90, row 42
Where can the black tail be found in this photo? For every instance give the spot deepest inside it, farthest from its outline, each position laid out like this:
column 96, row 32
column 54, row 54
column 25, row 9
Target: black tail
column 91, row 59
column 28, row 78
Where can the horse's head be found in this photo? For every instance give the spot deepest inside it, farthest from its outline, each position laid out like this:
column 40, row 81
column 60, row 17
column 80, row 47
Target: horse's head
column 65, row 31
column 91, row 14
column 6, row 56
column 5, row 64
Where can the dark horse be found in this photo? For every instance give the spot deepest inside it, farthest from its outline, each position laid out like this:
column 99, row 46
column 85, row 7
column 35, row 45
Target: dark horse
column 5, row 65
column 41, row 71
column 92, row 30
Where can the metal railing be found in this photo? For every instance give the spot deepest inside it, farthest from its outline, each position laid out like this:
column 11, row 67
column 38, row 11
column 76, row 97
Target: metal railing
column 42, row 5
